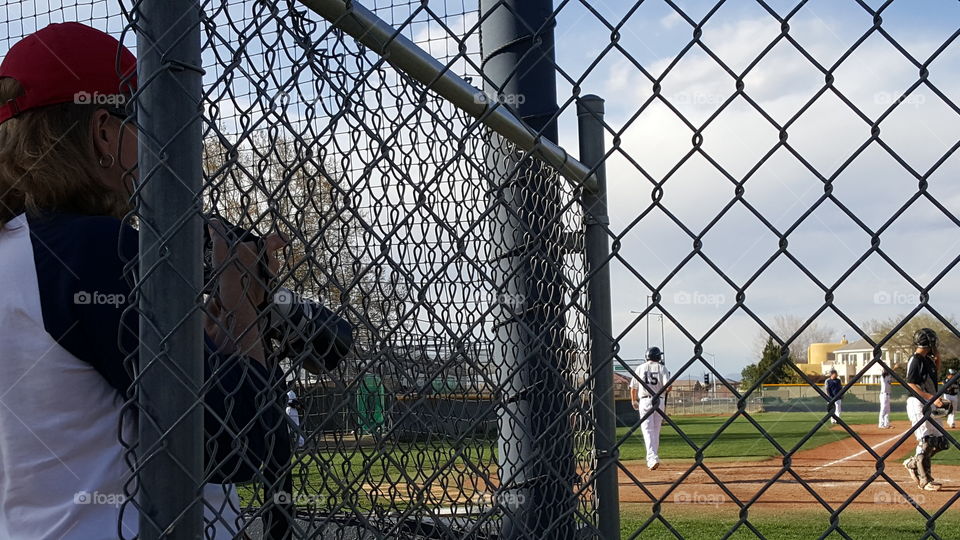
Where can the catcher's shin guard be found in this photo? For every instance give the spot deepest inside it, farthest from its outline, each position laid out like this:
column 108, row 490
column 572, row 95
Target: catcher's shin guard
column 930, row 446
column 913, row 469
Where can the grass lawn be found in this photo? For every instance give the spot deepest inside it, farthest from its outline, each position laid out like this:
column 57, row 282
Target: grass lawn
column 784, row 525
column 363, row 476
column 389, row 475
column 741, row 440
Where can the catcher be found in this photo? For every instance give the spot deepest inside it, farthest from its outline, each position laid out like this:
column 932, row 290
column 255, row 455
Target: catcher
column 922, row 369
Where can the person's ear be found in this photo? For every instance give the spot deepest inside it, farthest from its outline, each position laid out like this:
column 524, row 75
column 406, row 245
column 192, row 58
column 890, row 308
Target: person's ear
column 102, row 134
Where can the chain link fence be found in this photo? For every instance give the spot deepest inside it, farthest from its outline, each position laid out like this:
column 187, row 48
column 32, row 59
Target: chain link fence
column 431, row 352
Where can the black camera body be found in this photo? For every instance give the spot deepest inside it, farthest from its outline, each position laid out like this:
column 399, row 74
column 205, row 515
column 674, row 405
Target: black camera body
column 300, row 329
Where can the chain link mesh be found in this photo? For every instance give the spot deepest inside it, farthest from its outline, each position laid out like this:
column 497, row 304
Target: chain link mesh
column 394, row 205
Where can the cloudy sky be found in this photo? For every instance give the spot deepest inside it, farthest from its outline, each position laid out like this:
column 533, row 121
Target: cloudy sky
column 653, row 144
column 828, row 242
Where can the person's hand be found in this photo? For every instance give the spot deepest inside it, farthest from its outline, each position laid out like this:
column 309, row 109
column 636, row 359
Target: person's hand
column 240, row 290
column 636, row 405
column 938, row 402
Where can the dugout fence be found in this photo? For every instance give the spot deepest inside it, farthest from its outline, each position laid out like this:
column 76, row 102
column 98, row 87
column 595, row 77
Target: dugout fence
column 442, row 178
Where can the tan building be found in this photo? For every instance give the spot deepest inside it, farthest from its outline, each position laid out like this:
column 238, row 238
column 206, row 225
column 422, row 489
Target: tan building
column 819, row 354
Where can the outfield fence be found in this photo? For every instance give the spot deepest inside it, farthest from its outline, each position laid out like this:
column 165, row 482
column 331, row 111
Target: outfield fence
column 441, row 179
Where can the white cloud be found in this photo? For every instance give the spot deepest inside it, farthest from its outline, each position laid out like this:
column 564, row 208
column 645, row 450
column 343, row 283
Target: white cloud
column 872, row 186
column 671, row 20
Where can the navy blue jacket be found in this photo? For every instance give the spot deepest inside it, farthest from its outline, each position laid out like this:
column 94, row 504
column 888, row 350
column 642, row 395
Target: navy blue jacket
column 79, row 256
column 833, row 387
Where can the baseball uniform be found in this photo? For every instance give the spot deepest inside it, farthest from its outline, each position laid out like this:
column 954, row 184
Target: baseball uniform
column 654, row 375
column 833, row 390
column 885, row 388
column 951, row 391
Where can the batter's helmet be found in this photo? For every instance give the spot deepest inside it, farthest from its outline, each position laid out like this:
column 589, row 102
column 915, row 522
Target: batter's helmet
column 925, row 337
column 655, row 354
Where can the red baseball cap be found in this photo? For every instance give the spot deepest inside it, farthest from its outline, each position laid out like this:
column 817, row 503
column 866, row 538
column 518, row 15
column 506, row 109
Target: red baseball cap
column 67, row 62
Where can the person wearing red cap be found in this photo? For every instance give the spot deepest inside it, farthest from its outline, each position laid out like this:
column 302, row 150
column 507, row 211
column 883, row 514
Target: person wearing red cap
column 68, row 333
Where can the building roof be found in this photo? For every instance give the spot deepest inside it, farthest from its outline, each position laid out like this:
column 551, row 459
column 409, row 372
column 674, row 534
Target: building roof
column 858, row 345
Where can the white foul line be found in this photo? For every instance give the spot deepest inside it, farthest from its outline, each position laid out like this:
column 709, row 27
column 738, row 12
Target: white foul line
column 864, row 451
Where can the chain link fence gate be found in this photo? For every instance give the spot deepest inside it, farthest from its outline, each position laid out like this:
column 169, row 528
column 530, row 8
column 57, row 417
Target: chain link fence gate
column 476, row 399
column 437, row 424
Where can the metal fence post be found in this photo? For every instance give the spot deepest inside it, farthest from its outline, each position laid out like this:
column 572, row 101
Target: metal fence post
column 536, row 465
column 170, row 453
column 597, row 244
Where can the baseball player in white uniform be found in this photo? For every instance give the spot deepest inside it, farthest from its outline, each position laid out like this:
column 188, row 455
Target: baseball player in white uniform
column 294, row 415
column 885, row 388
column 647, row 397
column 952, row 389
column 922, row 371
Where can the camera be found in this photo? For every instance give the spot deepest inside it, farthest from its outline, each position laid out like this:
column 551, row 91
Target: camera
column 295, row 327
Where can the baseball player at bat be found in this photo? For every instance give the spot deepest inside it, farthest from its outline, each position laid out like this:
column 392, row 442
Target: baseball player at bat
column 922, row 369
column 647, row 397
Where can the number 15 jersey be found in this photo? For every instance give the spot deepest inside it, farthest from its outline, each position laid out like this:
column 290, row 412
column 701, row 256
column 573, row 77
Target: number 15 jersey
column 653, row 375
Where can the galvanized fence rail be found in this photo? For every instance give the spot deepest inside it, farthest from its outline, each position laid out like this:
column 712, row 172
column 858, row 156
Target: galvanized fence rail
column 439, row 331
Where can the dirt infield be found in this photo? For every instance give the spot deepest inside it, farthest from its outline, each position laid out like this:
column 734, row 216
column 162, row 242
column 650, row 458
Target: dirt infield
column 833, row 471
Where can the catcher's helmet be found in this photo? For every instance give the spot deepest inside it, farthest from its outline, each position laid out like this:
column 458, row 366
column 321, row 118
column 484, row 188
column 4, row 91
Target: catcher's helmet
column 655, row 354
column 925, row 337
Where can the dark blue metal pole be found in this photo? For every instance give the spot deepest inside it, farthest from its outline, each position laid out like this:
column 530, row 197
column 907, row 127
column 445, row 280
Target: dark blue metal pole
column 536, row 462
column 170, row 452
column 597, row 244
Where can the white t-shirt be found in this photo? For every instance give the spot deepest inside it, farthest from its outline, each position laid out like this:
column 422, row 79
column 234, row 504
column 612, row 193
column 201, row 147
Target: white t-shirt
column 654, row 375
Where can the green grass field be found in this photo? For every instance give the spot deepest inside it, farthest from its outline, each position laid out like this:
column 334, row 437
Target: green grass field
column 741, row 441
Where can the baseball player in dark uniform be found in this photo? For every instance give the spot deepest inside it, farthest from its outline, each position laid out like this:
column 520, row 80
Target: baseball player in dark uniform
column 834, row 386
column 951, row 389
column 922, row 369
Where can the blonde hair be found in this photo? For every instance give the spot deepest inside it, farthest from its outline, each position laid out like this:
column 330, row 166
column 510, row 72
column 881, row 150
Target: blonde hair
column 47, row 162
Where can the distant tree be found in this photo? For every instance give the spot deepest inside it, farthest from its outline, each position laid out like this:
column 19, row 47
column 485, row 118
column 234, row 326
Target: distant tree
column 786, row 326
column 783, row 374
column 269, row 184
